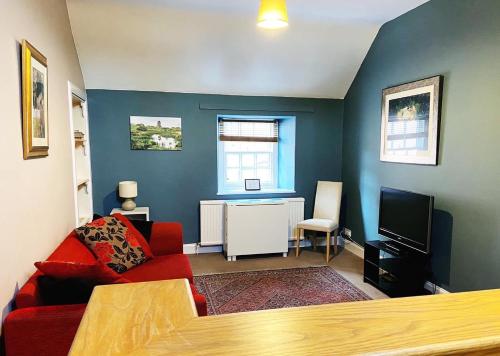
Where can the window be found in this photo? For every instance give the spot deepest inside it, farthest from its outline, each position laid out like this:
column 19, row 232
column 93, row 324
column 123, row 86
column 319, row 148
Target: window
column 251, row 147
column 248, row 150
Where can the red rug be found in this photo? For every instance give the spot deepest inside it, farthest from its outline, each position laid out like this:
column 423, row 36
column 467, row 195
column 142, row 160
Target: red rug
column 273, row 289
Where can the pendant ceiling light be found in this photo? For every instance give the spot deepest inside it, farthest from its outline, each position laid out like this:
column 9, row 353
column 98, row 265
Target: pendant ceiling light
column 272, row 14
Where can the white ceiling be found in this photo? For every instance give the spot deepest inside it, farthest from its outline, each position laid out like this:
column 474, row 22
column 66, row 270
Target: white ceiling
column 214, row 46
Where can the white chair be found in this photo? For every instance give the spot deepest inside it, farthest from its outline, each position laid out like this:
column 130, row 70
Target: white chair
column 326, row 215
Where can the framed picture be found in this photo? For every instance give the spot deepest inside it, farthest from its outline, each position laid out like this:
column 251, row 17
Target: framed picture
column 35, row 102
column 155, row 133
column 410, row 122
column 252, row 184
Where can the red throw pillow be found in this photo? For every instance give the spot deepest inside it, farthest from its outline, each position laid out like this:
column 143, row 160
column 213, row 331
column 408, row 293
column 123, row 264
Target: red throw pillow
column 113, row 243
column 96, row 272
column 142, row 241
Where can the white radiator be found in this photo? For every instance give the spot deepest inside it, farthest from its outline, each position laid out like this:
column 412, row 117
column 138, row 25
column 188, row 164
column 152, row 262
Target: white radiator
column 296, row 215
column 212, row 220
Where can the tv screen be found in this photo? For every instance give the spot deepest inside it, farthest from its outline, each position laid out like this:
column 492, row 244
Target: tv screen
column 406, row 217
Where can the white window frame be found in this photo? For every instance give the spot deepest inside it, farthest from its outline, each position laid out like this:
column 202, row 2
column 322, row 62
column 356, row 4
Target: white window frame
column 225, row 189
column 240, row 186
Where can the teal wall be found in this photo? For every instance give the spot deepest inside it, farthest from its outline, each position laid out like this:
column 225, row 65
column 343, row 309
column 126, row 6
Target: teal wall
column 173, row 183
column 461, row 41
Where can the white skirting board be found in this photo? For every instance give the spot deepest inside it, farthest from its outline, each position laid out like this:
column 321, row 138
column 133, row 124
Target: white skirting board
column 434, row 288
column 194, row 249
column 353, row 248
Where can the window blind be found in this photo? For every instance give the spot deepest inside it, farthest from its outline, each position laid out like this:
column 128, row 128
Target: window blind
column 248, row 130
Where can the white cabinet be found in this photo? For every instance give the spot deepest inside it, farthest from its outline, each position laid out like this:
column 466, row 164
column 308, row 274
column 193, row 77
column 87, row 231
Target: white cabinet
column 139, row 213
column 256, row 226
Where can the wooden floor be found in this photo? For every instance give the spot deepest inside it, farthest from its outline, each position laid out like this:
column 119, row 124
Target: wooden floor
column 346, row 263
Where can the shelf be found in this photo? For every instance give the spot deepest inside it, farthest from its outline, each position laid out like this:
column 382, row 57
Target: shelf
column 79, row 138
column 390, row 264
column 79, row 135
column 372, row 263
column 82, row 182
column 84, row 220
column 395, row 289
column 382, row 246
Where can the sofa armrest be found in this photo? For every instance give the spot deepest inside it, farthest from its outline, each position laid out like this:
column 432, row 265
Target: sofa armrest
column 46, row 330
column 166, row 238
column 199, row 300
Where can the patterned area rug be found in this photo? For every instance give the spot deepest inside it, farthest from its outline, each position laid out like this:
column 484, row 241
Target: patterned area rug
column 272, row 289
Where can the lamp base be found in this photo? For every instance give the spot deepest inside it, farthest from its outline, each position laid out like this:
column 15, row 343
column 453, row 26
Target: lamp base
column 128, row 204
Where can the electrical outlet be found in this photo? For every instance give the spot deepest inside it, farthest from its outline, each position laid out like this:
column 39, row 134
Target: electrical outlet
column 347, row 232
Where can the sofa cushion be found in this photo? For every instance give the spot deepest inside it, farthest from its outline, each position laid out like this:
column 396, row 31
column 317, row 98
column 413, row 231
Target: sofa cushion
column 95, row 272
column 160, row 268
column 137, row 234
column 144, row 227
column 72, row 282
column 73, row 250
column 113, row 243
column 55, row 291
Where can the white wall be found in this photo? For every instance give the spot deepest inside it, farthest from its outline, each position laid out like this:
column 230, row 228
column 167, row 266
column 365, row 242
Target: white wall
column 152, row 45
column 36, row 199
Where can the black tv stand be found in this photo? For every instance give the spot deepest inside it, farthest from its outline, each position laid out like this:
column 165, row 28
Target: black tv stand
column 391, row 246
column 395, row 269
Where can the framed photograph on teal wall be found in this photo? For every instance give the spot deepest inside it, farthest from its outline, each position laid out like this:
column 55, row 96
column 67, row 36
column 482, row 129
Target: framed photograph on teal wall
column 155, row 133
column 410, row 122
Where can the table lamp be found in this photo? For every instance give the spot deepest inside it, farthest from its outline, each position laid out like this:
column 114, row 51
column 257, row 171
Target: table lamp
column 128, row 191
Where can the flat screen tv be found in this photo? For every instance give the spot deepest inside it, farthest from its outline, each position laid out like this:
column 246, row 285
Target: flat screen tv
column 406, row 217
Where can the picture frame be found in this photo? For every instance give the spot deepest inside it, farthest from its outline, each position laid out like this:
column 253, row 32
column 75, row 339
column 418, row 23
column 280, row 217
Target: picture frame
column 35, row 102
column 153, row 133
column 410, row 124
column 252, row 185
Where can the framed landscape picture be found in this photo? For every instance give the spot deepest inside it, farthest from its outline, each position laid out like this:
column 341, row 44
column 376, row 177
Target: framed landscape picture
column 155, row 133
column 35, row 102
column 410, row 122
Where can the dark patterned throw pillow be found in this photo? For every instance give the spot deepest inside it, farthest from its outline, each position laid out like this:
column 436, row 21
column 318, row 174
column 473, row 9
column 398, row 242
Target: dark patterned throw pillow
column 112, row 243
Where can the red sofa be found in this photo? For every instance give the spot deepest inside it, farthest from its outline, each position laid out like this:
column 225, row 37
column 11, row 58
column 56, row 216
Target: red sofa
column 35, row 329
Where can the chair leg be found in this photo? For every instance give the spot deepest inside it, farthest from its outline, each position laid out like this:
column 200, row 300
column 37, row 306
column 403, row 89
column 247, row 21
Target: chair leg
column 297, row 246
column 327, row 247
column 335, row 241
column 314, row 243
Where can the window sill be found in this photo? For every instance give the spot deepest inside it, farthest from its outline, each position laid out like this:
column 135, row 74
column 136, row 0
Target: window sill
column 258, row 192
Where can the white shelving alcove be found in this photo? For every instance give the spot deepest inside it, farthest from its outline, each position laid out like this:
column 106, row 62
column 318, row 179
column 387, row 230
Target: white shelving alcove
column 80, row 144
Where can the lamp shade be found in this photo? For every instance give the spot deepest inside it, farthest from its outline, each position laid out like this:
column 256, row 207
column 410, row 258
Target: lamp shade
column 272, row 14
column 127, row 189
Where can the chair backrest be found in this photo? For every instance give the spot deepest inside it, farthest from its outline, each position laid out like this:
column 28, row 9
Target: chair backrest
column 327, row 203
